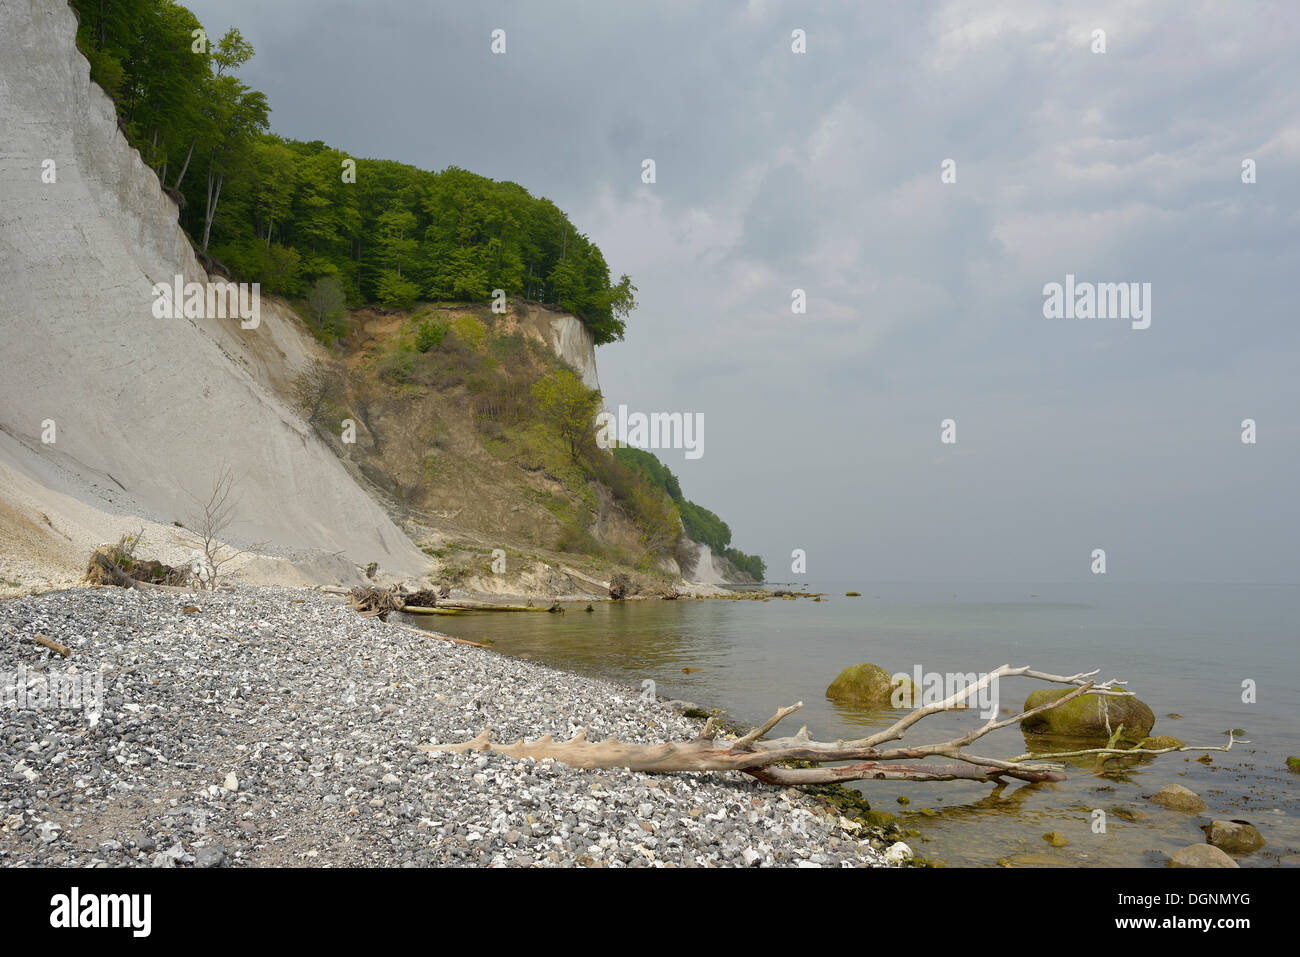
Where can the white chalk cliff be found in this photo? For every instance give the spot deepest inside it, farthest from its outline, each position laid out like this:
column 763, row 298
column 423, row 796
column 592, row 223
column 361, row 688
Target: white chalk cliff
column 148, row 409
column 569, row 339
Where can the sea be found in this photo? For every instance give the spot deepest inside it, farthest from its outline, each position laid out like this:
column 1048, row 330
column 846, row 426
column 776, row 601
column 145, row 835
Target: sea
column 1207, row 659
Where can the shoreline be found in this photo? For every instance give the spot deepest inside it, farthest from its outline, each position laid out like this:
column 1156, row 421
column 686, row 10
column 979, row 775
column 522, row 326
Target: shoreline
column 314, row 713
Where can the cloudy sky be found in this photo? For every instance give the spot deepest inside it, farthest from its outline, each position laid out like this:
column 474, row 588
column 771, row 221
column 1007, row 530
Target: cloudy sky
column 822, row 171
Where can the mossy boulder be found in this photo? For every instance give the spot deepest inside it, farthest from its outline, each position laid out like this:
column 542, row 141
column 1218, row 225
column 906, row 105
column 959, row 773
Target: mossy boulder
column 1086, row 715
column 867, row 685
column 1235, row 837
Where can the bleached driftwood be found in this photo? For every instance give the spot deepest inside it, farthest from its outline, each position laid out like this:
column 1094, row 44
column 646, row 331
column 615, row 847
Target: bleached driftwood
column 761, row 759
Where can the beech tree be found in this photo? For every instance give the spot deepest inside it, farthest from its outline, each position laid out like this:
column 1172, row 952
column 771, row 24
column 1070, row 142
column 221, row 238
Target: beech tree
column 569, row 407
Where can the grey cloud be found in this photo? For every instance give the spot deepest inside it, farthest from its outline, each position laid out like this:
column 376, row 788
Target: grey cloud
column 822, row 171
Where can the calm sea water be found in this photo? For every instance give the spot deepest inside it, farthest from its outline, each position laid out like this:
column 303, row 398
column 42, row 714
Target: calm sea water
column 1183, row 649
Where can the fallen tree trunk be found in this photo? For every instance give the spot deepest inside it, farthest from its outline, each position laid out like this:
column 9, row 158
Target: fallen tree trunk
column 763, row 759
column 469, row 604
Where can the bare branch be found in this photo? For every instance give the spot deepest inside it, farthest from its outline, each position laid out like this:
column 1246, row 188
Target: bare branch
column 764, row 759
column 1109, row 751
column 207, row 525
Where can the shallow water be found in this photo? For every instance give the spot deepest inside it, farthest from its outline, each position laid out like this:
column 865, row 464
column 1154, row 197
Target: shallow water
column 1184, row 649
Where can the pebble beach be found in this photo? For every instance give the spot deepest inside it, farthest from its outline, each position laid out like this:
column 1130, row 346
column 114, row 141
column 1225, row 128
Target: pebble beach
column 256, row 727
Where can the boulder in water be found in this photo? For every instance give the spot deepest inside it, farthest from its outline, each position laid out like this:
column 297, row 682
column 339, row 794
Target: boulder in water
column 1088, row 715
column 1178, row 798
column 1235, row 837
column 868, row 685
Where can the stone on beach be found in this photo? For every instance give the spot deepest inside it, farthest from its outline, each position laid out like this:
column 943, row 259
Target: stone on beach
column 1201, row 855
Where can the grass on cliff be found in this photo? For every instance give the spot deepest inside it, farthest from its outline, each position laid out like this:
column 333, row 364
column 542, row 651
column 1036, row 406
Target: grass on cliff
column 454, row 429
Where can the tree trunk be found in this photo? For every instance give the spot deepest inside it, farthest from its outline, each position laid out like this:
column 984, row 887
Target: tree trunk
column 181, row 175
column 213, row 198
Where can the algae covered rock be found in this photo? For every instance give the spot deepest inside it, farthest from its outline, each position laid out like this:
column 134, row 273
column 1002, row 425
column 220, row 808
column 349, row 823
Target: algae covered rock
column 1201, row 855
column 868, row 684
column 1178, row 798
column 1086, row 716
column 1235, row 837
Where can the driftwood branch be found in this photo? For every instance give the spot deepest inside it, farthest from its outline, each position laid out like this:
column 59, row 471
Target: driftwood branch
column 53, row 645
column 764, row 760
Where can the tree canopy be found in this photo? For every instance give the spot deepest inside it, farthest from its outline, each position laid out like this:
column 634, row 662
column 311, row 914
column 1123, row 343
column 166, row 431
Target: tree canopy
column 287, row 213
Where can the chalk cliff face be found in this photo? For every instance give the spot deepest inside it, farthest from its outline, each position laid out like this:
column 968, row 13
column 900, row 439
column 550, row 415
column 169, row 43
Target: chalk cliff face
column 568, row 338
column 156, row 405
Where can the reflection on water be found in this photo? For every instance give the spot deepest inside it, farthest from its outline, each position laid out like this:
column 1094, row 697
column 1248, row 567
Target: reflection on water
column 1184, row 650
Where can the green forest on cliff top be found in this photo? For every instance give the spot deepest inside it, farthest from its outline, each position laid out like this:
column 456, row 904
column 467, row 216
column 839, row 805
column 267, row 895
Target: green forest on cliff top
column 290, row 214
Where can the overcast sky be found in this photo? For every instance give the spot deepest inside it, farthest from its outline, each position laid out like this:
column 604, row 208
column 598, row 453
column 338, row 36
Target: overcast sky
column 822, row 171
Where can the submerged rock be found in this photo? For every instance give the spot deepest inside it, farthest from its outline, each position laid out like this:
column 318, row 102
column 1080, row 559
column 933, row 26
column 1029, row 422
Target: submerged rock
column 868, row 684
column 1178, row 798
column 1087, row 715
column 1128, row 814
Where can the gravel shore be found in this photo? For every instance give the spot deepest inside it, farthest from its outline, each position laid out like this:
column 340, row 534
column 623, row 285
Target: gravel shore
column 276, row 727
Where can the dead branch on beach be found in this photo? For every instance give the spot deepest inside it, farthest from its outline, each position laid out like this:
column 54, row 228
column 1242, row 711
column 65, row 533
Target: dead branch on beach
column 762, row 758
column 370, row 602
